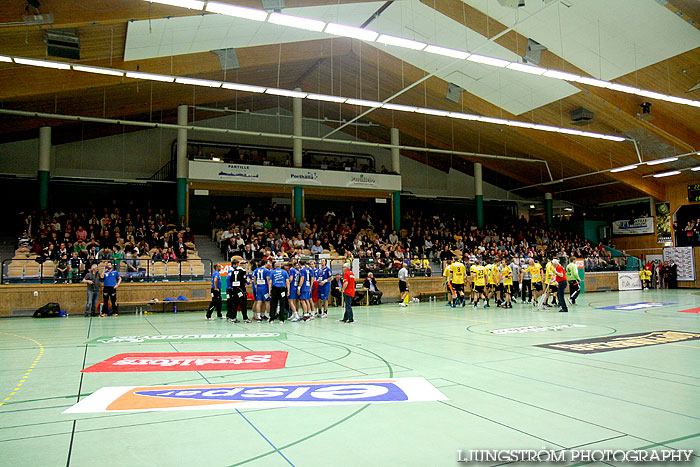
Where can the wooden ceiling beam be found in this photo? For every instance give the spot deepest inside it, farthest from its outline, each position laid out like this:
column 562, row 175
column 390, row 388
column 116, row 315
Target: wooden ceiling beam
column 577, row 149
column 623, row 106
column 83, row 13
column 18, row 81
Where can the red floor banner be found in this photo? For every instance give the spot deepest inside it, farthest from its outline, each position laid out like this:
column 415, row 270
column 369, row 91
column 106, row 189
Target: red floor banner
column 190, row 361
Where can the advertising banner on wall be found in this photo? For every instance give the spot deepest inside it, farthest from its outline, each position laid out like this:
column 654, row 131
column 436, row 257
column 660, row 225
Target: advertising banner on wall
column 242, row 173
column 663, row 222
column 643, row 225
column 629, row 280
column 683, row 257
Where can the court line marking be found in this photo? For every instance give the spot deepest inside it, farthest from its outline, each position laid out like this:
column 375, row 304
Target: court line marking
column 237, row 410
column 689, row 346
column 29, row 370
column 588, row 392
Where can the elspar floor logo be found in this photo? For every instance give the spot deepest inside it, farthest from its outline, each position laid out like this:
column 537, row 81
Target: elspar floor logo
column 190, row 361
column 257, row 395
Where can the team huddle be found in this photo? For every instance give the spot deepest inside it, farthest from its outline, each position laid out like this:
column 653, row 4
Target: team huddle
column 295, row 289
column 505, row 282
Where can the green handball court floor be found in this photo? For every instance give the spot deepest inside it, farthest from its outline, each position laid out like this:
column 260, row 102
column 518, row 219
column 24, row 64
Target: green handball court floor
column 502, row 390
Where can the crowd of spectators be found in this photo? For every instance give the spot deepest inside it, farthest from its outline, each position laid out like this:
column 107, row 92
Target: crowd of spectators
column 426, row 239
column 117, row 233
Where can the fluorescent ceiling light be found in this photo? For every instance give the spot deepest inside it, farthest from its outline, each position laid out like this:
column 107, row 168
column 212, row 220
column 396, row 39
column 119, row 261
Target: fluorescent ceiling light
column 237, row 11
column 326, row 98
column 695, row 169
column 593, row 82
column 570, row 132
column 662, row 161
column 401, row 42
column 677, row 100
column 149, row 76
column 243, row 87
column 561, row 75
column 622, row 169
column 198, row 82
column 532, row 206
column 101, row 71
column 488, row 60
column 363, row 103
column 546, row 128
column 350, row 31
column 533, row 70
column 43, row 63
column 653, row 95
column 667, row 174
column 520, row 124
column 403, row 108
column 296, row 22
column 286, row 92
column 623, row 88
column 439, row 113
column 497, row 121
column 5, row 59
column 434, row 49
column 191, row 4
column 462, row 116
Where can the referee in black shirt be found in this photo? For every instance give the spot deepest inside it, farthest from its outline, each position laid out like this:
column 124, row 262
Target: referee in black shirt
column 237, row 293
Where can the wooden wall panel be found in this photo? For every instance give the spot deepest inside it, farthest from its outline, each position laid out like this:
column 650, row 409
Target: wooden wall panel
column 72, row 297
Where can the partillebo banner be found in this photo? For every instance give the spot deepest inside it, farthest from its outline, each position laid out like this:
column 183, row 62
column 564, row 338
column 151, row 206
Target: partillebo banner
column 190, row 361
column 257, row 395
column 186, row 337
column 626, row 341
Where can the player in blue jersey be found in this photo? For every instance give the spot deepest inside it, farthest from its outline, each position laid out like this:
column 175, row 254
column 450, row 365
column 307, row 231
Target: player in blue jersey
column 324, row 277
column 314, row 289
column 294, row 290
column 215, row 304
column 261, row 291
column 305, row 289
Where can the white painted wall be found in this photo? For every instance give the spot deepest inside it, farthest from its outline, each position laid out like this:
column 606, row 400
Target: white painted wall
column 140, row 154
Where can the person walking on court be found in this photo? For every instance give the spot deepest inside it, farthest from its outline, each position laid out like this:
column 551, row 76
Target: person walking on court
column 574, row 281
column 236, row 292
column 559, row 275
column 348, row 289
column 112, row 279
column 92, row 279
column 279, row 290
column 215, row 303
column 403, row 284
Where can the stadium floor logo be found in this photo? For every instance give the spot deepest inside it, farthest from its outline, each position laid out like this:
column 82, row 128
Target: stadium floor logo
column 257, row 395
column 635, row 306
column 187, row 337
column 190, row 361
column 626, row 341
column 526, row 329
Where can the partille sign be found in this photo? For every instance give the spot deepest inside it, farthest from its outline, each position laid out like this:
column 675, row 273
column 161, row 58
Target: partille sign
column 626, row 341
column 190, row 361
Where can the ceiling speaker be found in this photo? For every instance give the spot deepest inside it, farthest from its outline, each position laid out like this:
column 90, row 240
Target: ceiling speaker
column 453, row 92
column 534, row 49
column 227, row 58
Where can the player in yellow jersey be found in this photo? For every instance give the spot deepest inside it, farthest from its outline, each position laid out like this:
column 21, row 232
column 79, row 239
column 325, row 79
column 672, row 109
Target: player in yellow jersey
column 459, row 273
column 534, row 268
column 491, row 275
column 480, row 284
column 447, row 274
column 550, row 285
column 472, row 279
column 506, row 281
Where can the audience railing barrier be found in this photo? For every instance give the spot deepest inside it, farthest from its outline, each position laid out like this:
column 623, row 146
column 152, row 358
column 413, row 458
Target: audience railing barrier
column 31, row 271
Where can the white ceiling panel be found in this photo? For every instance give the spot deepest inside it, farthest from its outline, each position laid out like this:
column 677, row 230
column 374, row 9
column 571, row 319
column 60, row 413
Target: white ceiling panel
column 605, row 38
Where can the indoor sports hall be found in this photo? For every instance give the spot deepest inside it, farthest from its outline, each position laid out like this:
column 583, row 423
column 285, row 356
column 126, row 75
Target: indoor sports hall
column 310, row 232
